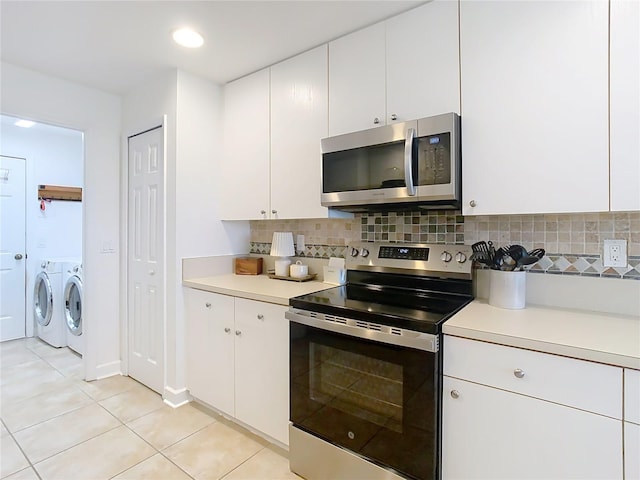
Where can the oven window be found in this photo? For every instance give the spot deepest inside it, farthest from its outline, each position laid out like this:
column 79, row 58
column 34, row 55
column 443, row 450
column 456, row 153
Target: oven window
column 378, row 400
column 358, row 385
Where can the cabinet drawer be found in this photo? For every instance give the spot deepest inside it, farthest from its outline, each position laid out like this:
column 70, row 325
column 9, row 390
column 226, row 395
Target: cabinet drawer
column 589, row 386
column 632, row 395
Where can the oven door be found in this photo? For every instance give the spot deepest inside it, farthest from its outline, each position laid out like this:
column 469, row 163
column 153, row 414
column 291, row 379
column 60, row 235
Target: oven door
column 376, row 399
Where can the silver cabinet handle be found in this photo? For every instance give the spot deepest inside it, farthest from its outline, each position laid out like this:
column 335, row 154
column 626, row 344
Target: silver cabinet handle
column 472, row 203
column 263, row 212
column 238, row 333
column 408, row 161
column 18, row 256
column 455, row 394
column 275, row 212
column 394, row 116
column 260, row 316
column 227, row 330
column 518, row 373
column 376, row 121
column 208, row 305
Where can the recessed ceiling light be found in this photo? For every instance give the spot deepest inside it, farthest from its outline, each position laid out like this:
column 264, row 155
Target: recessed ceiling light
column 188, row 38
column 24, row 123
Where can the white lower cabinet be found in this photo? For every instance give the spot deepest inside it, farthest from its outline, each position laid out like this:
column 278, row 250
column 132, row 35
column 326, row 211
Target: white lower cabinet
column 631, row 451
column 506, row 415
column 631, row 424
column 238, row 359
column 494, row 434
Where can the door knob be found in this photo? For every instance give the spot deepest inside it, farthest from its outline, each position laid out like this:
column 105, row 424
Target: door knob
column 152, row 272
column 18, row 256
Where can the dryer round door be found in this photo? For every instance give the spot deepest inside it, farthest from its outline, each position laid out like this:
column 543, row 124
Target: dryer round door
column 73, row 305
column 43, row 299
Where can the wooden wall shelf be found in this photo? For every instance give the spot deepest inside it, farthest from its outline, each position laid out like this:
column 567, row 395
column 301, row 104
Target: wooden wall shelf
column 56, row 192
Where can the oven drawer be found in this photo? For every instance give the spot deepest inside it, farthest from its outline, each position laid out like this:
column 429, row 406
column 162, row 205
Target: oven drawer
column 576, row 383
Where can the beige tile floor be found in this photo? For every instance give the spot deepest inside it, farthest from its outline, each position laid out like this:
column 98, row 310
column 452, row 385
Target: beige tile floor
column 55, row 426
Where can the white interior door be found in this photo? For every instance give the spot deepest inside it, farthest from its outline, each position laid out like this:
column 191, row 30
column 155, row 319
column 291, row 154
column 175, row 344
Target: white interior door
column 146, row 264
column 12, row 248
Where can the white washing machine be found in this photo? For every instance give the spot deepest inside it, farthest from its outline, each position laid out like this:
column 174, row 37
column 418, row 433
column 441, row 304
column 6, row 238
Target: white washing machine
column 72, row 305
column 47, row 304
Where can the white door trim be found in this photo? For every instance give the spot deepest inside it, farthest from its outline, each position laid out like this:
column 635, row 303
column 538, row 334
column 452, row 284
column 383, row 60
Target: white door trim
column 124, row 246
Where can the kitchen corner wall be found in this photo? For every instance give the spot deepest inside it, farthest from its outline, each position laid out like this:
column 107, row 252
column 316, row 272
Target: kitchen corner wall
column 573, row 242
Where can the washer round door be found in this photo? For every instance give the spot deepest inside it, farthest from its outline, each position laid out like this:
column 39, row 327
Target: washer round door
column 73, row 305
column 43, row 299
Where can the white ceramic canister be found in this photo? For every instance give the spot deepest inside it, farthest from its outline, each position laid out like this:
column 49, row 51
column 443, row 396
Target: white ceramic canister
column 298, row 270
column 508, row 289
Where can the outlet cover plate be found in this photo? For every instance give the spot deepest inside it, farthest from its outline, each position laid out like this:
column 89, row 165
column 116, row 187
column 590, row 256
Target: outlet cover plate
column 615, row 253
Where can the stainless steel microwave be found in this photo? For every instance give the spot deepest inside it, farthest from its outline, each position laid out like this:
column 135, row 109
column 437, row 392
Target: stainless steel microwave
column 414, row 164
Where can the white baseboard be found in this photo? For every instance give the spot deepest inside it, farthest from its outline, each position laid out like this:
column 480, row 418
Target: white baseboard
column 108, row 370
column 175, row 398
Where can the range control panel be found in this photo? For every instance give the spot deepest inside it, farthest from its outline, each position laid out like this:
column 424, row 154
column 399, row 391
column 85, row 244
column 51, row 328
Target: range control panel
column 414, row 257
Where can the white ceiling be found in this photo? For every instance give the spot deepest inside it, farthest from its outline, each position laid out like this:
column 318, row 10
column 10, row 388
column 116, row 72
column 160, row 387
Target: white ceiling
column 118, row 45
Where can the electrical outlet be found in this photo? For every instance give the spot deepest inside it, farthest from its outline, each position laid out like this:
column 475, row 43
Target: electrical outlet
column 615, row 253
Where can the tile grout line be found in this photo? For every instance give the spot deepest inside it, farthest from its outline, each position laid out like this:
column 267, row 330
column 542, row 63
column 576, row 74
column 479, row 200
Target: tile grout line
column 23, row 453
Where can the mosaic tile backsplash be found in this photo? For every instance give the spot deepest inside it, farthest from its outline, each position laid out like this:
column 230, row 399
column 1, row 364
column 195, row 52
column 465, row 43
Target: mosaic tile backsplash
column 573, row 242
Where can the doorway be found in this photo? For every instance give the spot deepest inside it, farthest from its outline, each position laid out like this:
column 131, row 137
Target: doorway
column 146, row 258
column 50, row 229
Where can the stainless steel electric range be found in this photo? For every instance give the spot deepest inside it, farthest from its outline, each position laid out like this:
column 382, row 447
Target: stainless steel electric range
column 366, row 363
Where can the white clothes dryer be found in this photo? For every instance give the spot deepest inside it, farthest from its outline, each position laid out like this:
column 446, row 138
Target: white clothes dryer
column 72, row 305
column 47, row 304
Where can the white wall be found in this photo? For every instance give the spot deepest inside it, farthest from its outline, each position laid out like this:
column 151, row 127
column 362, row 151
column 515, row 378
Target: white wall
column 192, row 108
column 31, row 95
column 199, row 230
column 53, row 156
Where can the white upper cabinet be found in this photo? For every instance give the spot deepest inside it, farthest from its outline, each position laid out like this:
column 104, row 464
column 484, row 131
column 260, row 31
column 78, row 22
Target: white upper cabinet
column 423, row 76
column 534, row 83
column 625, row 104
column 245, row 167
column 401, row 69
column 357, row 81
column 298, row 121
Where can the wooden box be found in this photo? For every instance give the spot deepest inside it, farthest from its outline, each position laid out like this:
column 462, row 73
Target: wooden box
column 248, row 266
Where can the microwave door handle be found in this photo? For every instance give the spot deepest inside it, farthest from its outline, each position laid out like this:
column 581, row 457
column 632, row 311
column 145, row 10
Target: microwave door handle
column 408, row 161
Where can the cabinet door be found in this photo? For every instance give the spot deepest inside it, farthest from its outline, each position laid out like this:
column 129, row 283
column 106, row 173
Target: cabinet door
column 631, row 451
column 357, row 80
column 423, row 76
column 298, row 122
column 209, row 348
column 625, row 104
column 262, row 367
column 491, row 433
column 244, row 193
column 632, row 395
column 534, row 106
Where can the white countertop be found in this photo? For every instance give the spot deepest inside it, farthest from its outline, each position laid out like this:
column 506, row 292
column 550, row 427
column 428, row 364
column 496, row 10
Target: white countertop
column 599, row 337
column 255, row 287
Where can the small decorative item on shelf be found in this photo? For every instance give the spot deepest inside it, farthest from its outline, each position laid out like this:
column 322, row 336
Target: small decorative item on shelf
column 282, row 246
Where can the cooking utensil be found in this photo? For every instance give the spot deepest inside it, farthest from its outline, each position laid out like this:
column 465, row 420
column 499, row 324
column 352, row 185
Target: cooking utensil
column 526, row 260
column 537, row 252
column 481, row 246
column 481, row 257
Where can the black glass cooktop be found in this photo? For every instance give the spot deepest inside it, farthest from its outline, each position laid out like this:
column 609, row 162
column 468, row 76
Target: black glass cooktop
column 418, row 310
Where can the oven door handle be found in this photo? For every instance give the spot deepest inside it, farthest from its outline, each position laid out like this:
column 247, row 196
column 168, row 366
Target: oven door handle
column 403, row 338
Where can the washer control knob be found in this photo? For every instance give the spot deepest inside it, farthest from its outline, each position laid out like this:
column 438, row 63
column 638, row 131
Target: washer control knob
column 461, row 257
column 446, row 257
column 354, row 252
column 364, row 253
